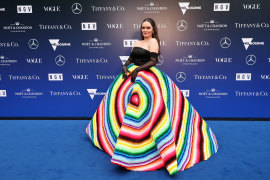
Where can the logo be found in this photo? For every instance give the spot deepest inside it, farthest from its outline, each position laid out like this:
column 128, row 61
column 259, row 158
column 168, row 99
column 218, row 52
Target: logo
column 60, row 60
column 33, row 43
column 185, row 6
column 221, row 6
column 55, row 27
column 252, row 25
column 225, row 42
column 65, row 93
column 251, row 59
column 2, row 9
column 76, row 8
column 115, row 26
column 160, row 60
column 213, row 94
column 243, row 76
column 128, row 42
column 96, row 44
column 251, row 93
column 211, row 77
column 80, row 77
column 107, row 8
column 190, row 60
column 181, row 25
column 265, row 77
column 105, row 77
column 90, row 61
column 268, row 60
column 123, row 59
column 248, row 41
column 192, row 43
column 3, row 93
column 185, row 93
column 5, row 61
column 52, row 8
column 89, row 26
column 180, row 76
column 252, row 6
column 17, row 27
column 93, row 92
column 212, row 25
column 24, row 9
column 28, row 94
column 34, row 60
column 223, row 60
column 26, row 77
column 55, row 76
column 9, row 44
column 55, row 43
column 152, row 8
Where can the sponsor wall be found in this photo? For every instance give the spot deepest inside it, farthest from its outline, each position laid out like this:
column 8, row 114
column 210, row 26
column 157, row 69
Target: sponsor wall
column 58, row 58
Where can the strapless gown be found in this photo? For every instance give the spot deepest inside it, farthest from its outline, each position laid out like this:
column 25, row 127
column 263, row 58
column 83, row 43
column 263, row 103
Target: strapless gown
column 149, row 124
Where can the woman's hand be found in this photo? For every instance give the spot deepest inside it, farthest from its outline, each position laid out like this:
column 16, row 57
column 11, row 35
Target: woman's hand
column 134, row 75
column 124, row 72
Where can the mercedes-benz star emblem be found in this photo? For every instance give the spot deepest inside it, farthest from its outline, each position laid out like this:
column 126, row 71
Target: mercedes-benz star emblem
column 225, row 42
column 251, row 59
column 182, row 25
column 33, row 44
column 160, row 60
column 76, row 8
column 60, row 60
column 180, row 76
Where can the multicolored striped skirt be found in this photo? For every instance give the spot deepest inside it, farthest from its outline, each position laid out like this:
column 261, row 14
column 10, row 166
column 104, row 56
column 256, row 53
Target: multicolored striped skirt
column 149, row 125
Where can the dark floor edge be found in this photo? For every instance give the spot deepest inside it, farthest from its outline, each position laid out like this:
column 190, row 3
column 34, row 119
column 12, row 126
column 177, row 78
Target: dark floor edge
column 89, row 118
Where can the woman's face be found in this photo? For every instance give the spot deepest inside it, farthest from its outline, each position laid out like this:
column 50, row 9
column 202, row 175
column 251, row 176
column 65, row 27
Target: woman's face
column 147, row 30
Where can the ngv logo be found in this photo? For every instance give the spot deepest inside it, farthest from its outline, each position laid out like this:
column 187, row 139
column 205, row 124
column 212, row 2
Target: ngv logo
column 3, row 93
column 243, row 76
column 123, row 59
column 55, row 76
column 93, row 92
column 128, row 42
column 221, row 6
column 24, row 9
column 86, row 26
column 185, row 93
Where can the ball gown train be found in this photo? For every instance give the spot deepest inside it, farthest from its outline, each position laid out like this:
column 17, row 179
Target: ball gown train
column 149, row 124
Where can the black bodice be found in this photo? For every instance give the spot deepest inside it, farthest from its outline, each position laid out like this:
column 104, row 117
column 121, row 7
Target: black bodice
column 140, row 56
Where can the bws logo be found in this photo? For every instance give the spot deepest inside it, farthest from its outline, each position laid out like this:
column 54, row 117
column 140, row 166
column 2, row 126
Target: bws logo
column 24, row 9
column 89, row 26
column 243, row 76
column 55, row 76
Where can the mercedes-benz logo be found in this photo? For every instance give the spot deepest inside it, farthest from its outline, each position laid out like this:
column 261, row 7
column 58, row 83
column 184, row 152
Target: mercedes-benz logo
column 180, row 76
column 160, row 60
column 225, row 42
column 76, row 8
column 181, row 25
column 251, row 59
column 33, row 43
column 60, row 60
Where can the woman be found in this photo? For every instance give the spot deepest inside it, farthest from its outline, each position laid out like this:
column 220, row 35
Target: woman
column 144, row 122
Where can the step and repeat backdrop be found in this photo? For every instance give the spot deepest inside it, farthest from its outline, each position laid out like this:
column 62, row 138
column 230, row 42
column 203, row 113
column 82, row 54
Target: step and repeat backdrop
column 58, row 58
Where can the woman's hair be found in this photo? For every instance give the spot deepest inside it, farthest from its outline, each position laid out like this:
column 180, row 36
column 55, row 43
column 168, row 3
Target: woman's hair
column 155, row 33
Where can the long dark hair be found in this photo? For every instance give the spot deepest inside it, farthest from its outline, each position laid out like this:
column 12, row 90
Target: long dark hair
column 155, row 33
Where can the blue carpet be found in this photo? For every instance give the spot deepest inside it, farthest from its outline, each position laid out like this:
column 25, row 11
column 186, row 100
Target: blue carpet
column 60, row 149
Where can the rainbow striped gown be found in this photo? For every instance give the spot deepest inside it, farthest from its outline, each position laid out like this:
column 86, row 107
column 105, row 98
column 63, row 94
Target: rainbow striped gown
column 149, row 125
